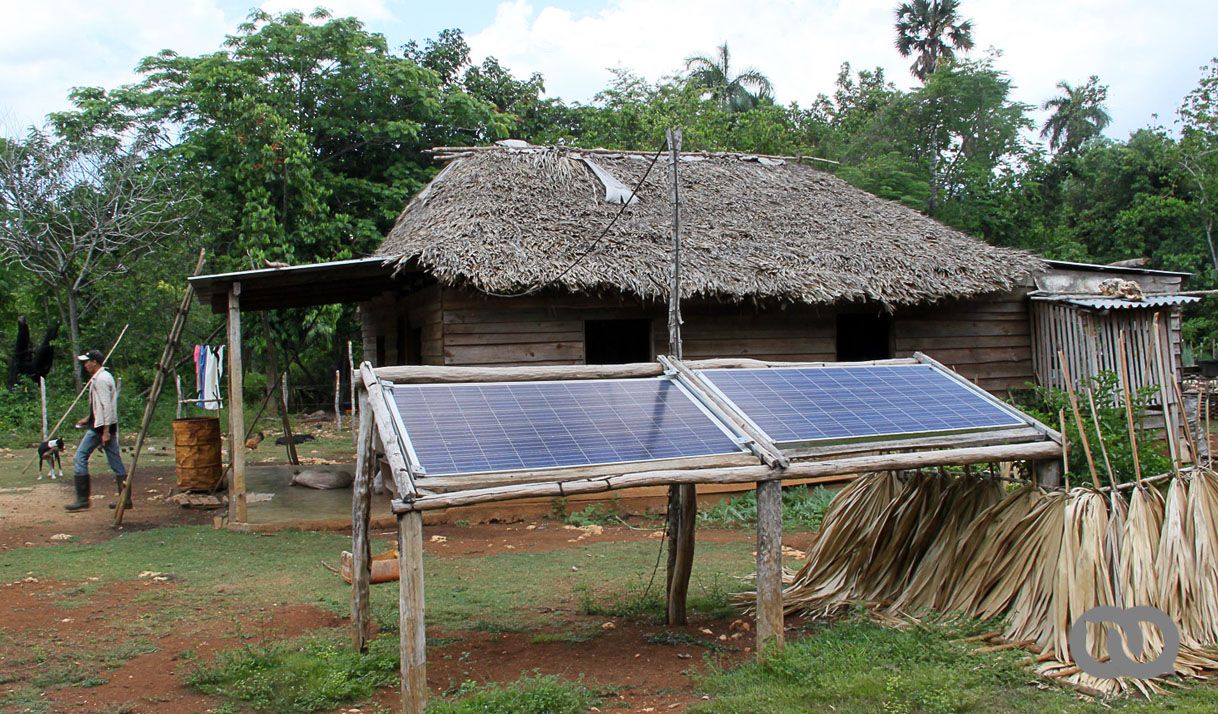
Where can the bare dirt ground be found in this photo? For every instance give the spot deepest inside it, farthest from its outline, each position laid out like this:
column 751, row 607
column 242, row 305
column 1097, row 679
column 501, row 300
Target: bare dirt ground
column 633, row 673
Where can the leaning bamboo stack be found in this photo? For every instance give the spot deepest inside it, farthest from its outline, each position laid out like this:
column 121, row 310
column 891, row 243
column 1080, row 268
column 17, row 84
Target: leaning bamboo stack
column 1038, row 558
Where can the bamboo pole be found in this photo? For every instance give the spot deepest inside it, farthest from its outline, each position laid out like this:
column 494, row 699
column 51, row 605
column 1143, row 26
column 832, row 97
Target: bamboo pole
column 164, row 364
column 1061, row 418
column 1099, row 435
column 338, row 412
column 738, row 474
column 1078, row 419
column 1127, row 387
column 1188, row 428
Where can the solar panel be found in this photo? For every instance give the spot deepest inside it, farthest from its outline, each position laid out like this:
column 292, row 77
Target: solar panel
column 846, row 403
column 473, row 428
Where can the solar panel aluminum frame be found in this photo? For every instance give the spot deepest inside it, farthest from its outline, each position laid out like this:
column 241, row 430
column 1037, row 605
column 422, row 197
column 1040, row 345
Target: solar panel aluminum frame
column 795, row 444
column 627, row 466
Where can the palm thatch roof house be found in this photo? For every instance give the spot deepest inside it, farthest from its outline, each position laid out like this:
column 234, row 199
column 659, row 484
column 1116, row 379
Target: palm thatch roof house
column 530, row 256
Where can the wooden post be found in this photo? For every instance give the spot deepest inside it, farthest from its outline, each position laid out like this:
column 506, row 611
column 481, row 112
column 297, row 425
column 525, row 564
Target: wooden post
column 769, row 566
column 285, row 423
column 236, row 408
column 1048, row 473
column 410, row 613
column 42, row 389
column 338, row 412
column 361, row 546
column 177, row 383
column 351, row 377
column 682, row 499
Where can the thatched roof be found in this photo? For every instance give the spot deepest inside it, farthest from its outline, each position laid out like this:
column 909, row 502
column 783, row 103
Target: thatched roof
column 503, row 220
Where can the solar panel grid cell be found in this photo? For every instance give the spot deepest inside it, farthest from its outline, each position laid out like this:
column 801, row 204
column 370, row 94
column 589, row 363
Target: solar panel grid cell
column 806, row 404
column 473, row 428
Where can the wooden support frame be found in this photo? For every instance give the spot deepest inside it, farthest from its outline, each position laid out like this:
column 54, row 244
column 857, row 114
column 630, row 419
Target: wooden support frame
column 379, row 424
column 236, row 409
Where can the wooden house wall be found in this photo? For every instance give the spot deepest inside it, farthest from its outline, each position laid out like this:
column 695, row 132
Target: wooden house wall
column 987, row 340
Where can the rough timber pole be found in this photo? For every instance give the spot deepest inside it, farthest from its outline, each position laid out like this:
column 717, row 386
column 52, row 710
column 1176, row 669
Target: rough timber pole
column 769, row 566
column 236, row 408
column 410, row 613
column 361, row 547
column 683, row 499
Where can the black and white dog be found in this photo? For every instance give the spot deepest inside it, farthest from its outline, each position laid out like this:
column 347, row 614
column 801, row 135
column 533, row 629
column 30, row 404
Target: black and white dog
column 48, row 453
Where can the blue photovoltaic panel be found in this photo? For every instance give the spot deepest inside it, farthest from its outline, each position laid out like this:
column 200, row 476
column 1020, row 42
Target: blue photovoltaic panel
column 472, row 428
column 831, row 403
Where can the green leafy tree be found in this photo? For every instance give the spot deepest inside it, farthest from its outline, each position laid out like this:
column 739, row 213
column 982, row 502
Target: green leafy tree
column 736, row 92
column 1078, row 115
column 1198, row 119
column 931, row 31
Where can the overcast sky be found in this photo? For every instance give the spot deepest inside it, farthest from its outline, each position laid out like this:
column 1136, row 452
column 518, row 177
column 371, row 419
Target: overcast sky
column 1149, row 53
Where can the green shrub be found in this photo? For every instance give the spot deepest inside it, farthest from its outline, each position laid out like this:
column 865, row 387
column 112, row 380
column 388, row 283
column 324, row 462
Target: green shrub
column 803, row 507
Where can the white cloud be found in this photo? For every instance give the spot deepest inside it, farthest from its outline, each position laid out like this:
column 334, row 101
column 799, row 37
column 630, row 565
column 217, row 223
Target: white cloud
column 47, row 48
column 1148, row 53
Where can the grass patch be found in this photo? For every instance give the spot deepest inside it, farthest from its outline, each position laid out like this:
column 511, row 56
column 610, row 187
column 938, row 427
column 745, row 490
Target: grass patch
column 567, row 637
column 527, row 695
column 308, row 674
column 496, row 627
column 803, row 508
column 860, row 667
column 708, row 597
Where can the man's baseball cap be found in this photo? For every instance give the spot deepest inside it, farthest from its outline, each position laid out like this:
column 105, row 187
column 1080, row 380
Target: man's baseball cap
column 94, row 355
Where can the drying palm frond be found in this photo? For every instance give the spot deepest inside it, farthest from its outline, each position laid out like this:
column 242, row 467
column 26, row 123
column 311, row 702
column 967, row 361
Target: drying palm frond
column 904, row 531
column 1174, row 562
column 826, row 582
column 1088, row 580
column 1026, row 584
column 1202, row 524
column 938, row 575
column 1114, row 539
column 1136, row 574
column 992, row 533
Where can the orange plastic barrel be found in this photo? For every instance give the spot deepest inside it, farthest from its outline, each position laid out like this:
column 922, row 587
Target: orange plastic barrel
column 196, row 451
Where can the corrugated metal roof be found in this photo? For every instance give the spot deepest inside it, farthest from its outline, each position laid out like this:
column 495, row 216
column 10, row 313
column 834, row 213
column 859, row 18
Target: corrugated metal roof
column 1099, row 302
column 1070, row 265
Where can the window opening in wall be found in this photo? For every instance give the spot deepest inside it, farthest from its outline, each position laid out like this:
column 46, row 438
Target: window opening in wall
column 617, row 341
column 414, row 352
column 864, row 336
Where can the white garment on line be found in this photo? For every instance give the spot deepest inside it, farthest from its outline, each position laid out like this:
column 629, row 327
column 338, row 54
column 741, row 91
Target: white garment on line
column 210, row 370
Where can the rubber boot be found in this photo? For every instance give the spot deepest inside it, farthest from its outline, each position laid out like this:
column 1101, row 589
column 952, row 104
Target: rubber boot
column 119, row 482
column 81, row 482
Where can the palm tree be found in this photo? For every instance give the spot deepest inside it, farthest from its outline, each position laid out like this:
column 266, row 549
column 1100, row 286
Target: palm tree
column 932, row 30
column 736, row 93
column 1078, row 115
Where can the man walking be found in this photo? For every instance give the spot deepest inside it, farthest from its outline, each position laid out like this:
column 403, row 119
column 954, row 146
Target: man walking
column 101, row 429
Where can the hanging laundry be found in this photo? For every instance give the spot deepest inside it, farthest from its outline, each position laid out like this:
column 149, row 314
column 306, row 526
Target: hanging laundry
column 209, row 368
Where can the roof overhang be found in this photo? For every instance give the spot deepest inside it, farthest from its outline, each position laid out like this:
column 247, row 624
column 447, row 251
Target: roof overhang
column 1068, row 265
column 337, row 282
column 1100, row 302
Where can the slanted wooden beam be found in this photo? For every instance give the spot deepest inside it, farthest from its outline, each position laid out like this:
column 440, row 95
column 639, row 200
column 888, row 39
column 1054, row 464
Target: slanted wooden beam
column 236, row 408
column 410, row 613
column 361, row 546
column 386, row 427
column 769, row 566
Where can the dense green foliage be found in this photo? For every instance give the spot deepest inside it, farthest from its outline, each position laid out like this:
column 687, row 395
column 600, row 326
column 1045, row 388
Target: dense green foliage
column 803, row 508
column 302, row 138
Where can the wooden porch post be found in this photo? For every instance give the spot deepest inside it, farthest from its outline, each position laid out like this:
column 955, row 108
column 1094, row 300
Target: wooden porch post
column 361, row 547
column 236, row 408
column 769, row 566
column 410, row 613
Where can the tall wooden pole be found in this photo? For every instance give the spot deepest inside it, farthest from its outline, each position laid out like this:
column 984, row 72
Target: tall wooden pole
column 682, row 499
column 769, row 566
column 42, row 389
column 236, row 408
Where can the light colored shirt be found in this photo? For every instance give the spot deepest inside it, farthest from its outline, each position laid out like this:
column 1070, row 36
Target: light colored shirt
column 103, row 399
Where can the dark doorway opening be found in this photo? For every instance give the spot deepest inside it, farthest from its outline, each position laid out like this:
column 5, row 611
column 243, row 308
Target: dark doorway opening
column 414, row 353
column 864, row 336
column 617, row 341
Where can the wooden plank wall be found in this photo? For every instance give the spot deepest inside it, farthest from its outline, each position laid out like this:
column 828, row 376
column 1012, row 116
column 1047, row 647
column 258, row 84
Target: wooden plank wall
column 987, row 340
column 381, row 317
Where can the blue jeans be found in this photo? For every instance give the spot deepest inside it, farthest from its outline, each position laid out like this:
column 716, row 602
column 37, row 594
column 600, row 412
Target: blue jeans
column 89, row 442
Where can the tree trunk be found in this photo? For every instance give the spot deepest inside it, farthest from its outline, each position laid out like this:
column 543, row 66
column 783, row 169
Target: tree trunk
column 1209, row 240
column 74, row 335
column 933, row 203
